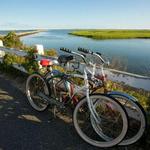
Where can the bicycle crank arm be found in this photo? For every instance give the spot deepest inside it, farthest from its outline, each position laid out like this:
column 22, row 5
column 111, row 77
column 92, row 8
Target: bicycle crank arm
column 50, row 100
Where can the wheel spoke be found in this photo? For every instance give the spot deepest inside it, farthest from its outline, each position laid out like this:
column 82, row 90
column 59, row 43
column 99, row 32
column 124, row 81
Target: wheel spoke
column 35, row 84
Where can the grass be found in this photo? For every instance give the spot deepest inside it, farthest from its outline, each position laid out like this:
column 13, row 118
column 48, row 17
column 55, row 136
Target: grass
column 112, row 34
column 1, row 37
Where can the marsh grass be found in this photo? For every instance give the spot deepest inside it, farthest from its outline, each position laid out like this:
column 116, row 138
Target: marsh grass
column 112, row 34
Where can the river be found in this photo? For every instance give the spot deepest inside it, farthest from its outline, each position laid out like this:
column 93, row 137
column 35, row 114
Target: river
column 131, row 55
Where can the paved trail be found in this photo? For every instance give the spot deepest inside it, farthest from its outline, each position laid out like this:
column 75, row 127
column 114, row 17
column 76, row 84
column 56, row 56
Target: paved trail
column 22, row 128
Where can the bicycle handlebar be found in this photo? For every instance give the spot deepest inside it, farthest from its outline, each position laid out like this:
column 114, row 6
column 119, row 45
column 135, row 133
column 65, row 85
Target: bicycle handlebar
column 72, row 52
column 87, row 51
column 65, row 50
column 98, row 54
column 84, row 50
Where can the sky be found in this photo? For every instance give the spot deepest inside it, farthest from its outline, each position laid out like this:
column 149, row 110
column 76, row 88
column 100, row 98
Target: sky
column 88, row 14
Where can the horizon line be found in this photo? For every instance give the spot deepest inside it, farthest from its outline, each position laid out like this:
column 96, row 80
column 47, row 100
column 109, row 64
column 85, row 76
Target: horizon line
column 76, row 29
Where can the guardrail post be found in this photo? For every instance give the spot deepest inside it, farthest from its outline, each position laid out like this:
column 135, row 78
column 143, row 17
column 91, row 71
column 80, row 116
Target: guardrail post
column 1, row 43
column 40, row 49
column 2, row 53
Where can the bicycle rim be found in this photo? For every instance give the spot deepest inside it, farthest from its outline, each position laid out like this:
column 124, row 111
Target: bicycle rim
column 35, row 84
column 136, row 117
column 82, row 120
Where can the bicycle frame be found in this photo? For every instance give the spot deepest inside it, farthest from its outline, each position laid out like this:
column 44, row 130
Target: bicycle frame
column 111, row 93
column 85, row 88
column 102, row 76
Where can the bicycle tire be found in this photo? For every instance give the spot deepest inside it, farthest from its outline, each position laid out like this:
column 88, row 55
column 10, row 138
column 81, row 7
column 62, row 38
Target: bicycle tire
column 141, row 116
column 99, row 143
column 31, row 98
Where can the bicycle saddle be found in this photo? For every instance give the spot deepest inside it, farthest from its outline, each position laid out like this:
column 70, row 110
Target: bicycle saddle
column 65, row 58
column 46, row 62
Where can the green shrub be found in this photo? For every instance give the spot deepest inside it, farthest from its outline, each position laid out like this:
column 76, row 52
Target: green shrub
column 1, row 38
column 11, row 40
column 31, row 65
column 51, row 52
column 27, row 62
column 9, row 59
column 142, row 95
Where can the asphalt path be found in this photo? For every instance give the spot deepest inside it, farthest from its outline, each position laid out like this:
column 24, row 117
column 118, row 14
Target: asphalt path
column 22, row 128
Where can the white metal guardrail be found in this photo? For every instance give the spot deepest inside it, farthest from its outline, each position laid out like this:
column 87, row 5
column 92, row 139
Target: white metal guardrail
column 131, row 79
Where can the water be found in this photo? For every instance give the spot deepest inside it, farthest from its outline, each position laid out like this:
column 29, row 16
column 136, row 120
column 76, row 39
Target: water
column 132, row 55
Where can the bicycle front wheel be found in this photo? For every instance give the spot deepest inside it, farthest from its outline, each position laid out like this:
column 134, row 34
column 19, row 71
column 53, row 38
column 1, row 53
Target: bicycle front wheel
column 34, row 85
column 113, row 121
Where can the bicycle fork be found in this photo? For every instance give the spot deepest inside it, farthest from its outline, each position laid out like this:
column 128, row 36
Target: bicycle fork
column 89, row 101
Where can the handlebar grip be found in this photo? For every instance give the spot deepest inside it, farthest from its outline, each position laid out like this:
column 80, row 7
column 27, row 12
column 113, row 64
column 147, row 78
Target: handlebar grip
column 65, row 50
column 98, row 53
column 84, row 50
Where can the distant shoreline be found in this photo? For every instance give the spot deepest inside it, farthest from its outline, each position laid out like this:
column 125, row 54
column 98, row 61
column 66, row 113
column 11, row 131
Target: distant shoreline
column 102, row 34
column 29, row 33
column 26, row 33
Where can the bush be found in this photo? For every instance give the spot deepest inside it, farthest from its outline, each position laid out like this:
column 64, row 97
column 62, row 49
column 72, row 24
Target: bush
column 1, row 38
column 8, row 60
column 11, row 40
column 31, row 65
column 142, row 95
column 51, row 52
column 27, row 62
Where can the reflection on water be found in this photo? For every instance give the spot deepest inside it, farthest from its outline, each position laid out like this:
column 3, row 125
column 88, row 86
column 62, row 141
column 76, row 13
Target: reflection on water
column 132, row 55
column 52, row 37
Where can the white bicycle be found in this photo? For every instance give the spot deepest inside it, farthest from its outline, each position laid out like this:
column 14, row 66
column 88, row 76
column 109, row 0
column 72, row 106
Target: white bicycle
column 136, row 113
column 58, row 89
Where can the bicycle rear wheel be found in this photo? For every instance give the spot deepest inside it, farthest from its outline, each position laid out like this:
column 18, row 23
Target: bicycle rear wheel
column 34, row 85
column 113, row 124
column 136, row 116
